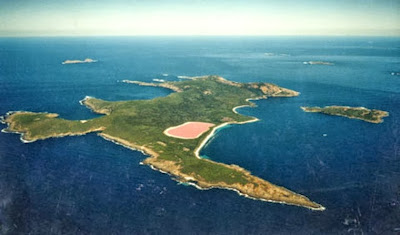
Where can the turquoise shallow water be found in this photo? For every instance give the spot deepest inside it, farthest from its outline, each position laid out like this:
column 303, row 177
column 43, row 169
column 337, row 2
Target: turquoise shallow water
column 86, row 185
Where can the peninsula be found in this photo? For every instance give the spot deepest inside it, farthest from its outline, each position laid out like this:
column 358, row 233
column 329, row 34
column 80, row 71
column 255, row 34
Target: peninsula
column 87, row 60
column 368, row 115
column 172, row 130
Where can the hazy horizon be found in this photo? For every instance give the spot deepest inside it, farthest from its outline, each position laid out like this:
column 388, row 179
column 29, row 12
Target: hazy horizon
column 27, row 18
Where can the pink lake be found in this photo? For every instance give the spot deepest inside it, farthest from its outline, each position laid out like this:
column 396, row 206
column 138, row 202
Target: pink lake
column 188, row 130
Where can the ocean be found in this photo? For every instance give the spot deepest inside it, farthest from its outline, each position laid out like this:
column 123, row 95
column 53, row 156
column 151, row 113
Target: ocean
column 87, row 185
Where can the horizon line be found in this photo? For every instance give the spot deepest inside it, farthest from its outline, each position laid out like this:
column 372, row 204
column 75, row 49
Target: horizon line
column 199, row 35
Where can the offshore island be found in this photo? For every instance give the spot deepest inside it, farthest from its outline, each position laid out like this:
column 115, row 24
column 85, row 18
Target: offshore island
column 87, row 60
column 368, row 115
column 317, row 63
column 172, row 130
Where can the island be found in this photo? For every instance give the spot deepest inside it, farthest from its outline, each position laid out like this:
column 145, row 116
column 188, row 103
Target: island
column 368, row 115
column 87, row 60
column 317, row 63
column 172, row 130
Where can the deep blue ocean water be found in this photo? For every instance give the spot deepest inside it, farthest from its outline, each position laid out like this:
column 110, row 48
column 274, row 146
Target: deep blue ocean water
column 87, row 185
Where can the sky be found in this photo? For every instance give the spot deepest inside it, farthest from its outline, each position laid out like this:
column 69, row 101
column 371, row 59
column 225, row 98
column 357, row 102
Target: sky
column 199, row 17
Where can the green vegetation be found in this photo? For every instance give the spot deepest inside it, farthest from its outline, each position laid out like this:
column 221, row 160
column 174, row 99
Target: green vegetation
column 368, row 115
column 45, row 125
column 140, row 124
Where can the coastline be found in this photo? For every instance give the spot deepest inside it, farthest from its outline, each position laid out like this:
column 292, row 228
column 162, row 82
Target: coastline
column 213, row 131
column 321, row 208
column 177, row 176
column 321, row 110
column 82, row 101
column 26, row 141
column 181, row 178
column 92, row 108
column 249, row 186
column 129, row 145
column 6, row 129
column 3, row 120
column 189, row 181
column 211, row 134
column 166, row 85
